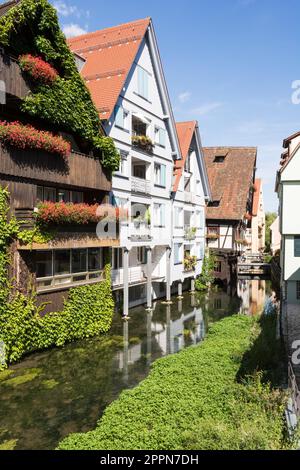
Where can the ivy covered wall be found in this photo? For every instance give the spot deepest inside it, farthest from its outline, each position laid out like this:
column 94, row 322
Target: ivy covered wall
column 87, row 312
column 31, row 27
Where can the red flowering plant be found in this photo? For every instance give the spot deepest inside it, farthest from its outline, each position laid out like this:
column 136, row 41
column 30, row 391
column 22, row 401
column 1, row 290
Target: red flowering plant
column 51, row 213
column 38, row 69
column 27, row 137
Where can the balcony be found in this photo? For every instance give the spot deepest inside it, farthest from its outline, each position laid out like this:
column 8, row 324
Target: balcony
column 139, row 185
column 140, row 231
column 11, row 75
column 45, row 167
column 136, row 275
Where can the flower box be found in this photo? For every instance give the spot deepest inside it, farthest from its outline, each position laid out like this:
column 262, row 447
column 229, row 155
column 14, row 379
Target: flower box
column 26, row 137
column 61, row 213
column 143, row 142
column 212, row 236
column 190, row 263
column 38, row 69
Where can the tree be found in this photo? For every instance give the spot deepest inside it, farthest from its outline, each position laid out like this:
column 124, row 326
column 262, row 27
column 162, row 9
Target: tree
column 270, row 217
column 206, row 278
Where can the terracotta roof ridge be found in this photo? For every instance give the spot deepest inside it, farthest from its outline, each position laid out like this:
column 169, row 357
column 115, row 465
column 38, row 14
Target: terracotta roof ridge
column 98, row 32
column 229, row 147
column 106, row 45
column 110, row 73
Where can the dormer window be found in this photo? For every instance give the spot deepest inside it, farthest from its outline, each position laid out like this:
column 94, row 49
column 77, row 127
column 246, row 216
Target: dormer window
column 219, row 159
column 215, row 203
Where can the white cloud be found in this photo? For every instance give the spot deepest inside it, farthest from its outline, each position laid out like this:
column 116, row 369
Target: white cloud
column 206, row 108
column 71, row 30
column 184, row 97
column 64, row 9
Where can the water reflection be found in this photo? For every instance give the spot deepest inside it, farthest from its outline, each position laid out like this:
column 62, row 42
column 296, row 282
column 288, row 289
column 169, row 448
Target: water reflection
column 56, row 392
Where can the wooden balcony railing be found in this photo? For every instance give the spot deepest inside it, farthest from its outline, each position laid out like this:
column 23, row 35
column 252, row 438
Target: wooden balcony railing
column 78, row 169
column 10, row 74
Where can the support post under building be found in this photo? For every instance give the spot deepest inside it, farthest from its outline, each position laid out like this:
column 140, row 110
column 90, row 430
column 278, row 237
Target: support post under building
column 149, row 278
column 125, row 282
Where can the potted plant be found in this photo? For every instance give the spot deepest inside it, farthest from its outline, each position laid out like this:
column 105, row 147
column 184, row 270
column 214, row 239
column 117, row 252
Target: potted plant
column 143, row 142
column 190, row 263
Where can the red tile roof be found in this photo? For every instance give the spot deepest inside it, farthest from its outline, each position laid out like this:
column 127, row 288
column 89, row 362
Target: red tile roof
column 109, row 55
column 185, row 132
column 256, row 196
column 230, row 181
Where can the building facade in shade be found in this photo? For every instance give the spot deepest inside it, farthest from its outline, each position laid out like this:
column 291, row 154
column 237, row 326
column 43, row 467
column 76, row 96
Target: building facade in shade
column 191, row 192
column 255, row 234
column 231, row 174
column 124, row 74
column 75, row 255
column 288, row 190
column 275, row 236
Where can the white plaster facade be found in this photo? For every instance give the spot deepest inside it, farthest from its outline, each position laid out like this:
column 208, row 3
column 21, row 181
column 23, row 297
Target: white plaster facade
column 288, row 190
column 144, row 181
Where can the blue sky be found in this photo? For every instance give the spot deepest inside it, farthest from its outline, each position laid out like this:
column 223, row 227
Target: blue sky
column 230, row 64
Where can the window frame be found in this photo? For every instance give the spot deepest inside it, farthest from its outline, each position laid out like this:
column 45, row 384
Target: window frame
column 161, row 173
column 159, row 131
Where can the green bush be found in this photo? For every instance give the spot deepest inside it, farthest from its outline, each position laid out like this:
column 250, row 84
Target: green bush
column 87, row 312
column 193, row 400
column 32, row 27
column 206, row 278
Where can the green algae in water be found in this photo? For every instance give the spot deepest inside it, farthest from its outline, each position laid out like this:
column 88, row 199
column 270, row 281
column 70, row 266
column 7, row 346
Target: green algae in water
column 30, row 374
column 50, row 384
column 9, row 444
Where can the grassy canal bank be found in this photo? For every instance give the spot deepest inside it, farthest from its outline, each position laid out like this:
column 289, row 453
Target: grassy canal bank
column 221, row 394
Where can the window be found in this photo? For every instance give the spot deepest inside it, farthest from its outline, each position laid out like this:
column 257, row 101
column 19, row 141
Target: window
column 79, row 261
column 117, row 258
column 57, row 267
column 187, row 164
column 178, row 222
column 297, row 247
column 139, row 126
column 219, row 159
column 187, row 184
column 159, row 215
column 218, row 267
column 44, row 264
column 77, row 197
column 213, row 230
column 121, row 117
column 49, row 194
column 142, row 255
column 62, row 262
column 298, row 290
column 123, row 163
column 215, row 203
column 160, row 174
column 143, row 82
column 63, row 195
column 139, row 171
column 94, row 262
column 160, row 136
column 177, row 253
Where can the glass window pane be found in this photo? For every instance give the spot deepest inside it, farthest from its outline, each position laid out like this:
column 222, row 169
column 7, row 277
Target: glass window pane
column 94, row 259
column 40, row 193
column 297, row 247
column 63, row 195
column 50, row 194
column 62, row 262
column 79, row 258
column 119, row 116
column 43, row 263
column 77, row 197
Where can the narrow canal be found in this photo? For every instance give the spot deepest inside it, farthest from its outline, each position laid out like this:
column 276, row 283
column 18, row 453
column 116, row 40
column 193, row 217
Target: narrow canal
column 57, row 392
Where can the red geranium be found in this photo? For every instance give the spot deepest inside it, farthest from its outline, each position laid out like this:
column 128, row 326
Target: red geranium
column 27, row 137
column 75, row 214
column 38, row 69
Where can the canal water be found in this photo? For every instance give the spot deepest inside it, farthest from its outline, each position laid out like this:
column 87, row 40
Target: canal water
column 60, row 391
